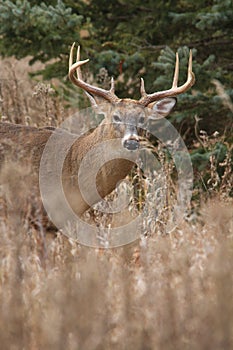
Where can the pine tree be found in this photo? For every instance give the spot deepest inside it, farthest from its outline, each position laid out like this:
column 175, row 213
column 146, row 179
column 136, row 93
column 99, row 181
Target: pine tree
column 131, row 39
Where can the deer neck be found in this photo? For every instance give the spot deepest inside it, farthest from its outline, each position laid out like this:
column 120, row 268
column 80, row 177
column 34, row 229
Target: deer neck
column 99, row 162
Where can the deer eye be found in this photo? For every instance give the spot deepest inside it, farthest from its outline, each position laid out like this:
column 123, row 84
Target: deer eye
column 116, row 118
column 141, row 120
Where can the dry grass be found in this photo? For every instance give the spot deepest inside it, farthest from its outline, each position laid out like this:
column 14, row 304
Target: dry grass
column 166, row 291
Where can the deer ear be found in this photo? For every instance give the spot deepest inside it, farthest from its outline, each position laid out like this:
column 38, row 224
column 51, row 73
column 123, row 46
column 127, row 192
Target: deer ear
column 102, row 107
column 161, row 108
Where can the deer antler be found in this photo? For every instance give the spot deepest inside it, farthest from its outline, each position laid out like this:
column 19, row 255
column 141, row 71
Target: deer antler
column 74, row 68
column 175, row 90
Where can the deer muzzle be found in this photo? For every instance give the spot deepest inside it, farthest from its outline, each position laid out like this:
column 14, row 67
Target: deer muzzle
column 131, row 139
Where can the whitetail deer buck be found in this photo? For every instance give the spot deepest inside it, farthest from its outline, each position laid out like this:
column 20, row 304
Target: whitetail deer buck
column 123, row 118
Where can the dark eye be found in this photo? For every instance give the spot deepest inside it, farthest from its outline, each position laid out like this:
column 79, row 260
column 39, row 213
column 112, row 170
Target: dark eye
column 141, row 120
column 116, row 118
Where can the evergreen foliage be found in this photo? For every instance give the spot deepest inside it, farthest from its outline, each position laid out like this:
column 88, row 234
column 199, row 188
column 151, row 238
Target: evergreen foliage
column 130, row 39
column 39, row 30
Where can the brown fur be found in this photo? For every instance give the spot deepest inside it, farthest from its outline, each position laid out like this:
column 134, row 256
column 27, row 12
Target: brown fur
column 25, row 145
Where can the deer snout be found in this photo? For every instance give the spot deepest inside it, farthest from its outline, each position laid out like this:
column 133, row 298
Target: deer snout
column 131, row 145
column 131, row 139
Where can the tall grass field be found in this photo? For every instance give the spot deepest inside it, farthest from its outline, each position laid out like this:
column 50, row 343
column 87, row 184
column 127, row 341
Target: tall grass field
column 167, row 291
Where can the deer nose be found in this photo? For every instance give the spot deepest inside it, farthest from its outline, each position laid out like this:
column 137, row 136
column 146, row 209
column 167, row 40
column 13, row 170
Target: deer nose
column 131, row 139
column 131, row 144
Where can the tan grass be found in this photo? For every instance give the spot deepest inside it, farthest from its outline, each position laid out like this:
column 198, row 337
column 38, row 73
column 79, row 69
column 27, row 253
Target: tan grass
column 166, row 291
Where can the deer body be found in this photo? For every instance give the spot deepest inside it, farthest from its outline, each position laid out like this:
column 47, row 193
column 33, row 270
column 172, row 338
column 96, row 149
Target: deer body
column 31, row 141
column 123, row 118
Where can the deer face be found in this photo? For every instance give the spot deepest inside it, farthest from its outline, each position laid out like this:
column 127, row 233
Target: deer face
column 127, row 117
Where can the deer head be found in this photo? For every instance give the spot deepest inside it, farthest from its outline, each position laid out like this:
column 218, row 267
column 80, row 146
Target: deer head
column 127, row 115
column 57, row 155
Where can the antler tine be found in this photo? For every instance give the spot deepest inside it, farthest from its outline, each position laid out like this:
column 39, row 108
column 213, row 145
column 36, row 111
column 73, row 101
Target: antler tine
column 74, row 69
column 142, row 88
column 79, row 76
column 175, row 89
column 112, row 89
column 71, row 55
column 176, row 73
column 78, row 71
column 191, row 75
